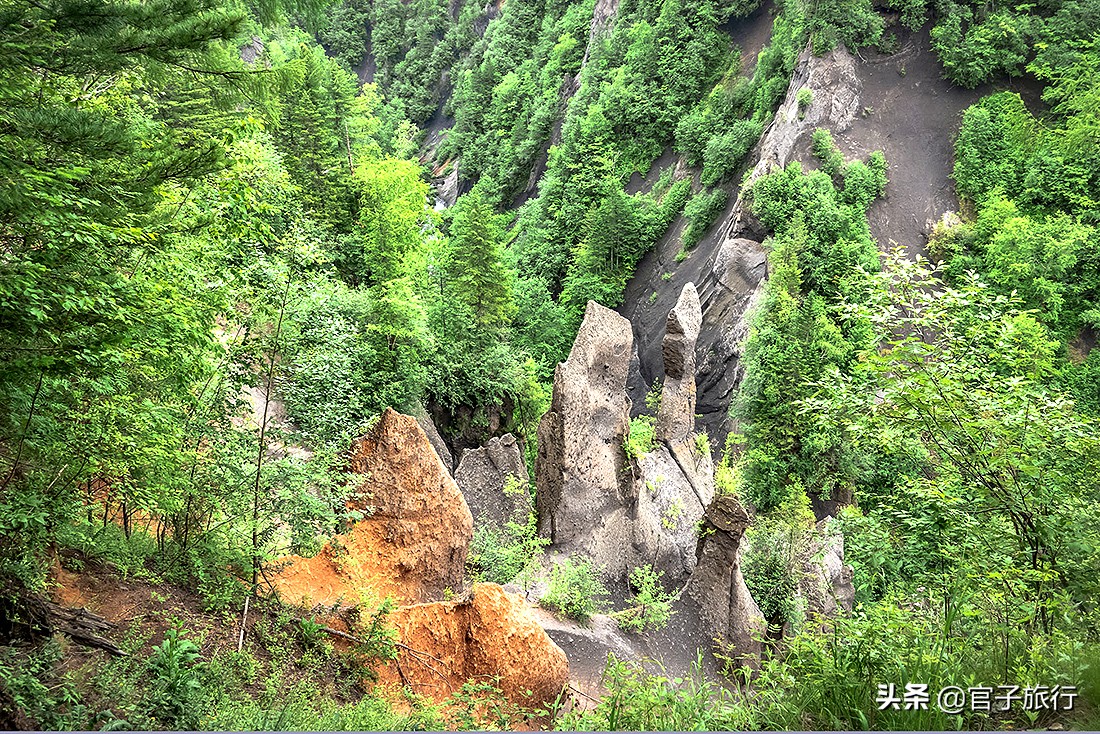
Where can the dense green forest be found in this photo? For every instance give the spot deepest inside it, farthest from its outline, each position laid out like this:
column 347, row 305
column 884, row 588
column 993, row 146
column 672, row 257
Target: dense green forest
column 203, row 207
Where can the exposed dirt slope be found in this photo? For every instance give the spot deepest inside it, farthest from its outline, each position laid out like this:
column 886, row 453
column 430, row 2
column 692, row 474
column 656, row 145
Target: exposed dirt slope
column 492, row 637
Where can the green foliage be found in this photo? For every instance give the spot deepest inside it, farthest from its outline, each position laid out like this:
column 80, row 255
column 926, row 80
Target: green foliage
column 975, row 47
column 475, row 268
column 501, row 555
column 640, row 440
column 575, row 589
column 175, row 685
column 637, row 700
column 777, row 545
column 820, row 248
column 804, row 98
column 701, row 212
column 987, row 365
column 652, row 605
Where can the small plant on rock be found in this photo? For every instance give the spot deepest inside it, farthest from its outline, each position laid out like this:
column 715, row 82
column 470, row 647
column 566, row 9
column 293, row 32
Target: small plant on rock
column 805, row 98
column 641, row 438
column 652, row 604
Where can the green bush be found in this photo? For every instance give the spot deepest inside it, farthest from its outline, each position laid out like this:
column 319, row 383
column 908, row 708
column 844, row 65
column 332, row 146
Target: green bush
column 575, row 590
column 174, row 684
column 637, row 700
column 804, row 98
column 701, row 212
column 652, row 605
column 500, row 555
column 724, row 152
column 640, row 440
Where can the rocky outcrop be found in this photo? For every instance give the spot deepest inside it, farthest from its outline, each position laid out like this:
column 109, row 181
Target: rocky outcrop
column 826, row 582
column 729, row 265
column 676, row 416
column 492, row 633
column 435, row 439
column 412, row 542
column 676, row 480
column 494, row 481
column 717, row 587
column 673, row 493
column 584, row 487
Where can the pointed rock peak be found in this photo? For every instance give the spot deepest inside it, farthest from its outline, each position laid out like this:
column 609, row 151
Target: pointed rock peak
column 676, row 417
column 718, row 588
column 414, row 540
column 584, row 488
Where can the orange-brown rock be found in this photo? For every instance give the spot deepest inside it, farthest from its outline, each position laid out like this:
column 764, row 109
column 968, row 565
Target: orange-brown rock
column 491, row 634
column 414, row 541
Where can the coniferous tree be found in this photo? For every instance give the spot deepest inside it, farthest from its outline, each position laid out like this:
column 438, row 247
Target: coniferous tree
column 476, row 268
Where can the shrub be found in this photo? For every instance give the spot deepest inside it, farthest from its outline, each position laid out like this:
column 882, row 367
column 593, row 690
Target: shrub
column 640, row 439
column 500, row 554
column 772, row 564
column 724, row 152
column 826, row 151
column 637, row 700
column 174, row 687
column 701, row 212
column 805, row 98
column 575, row 590
column 652, row 604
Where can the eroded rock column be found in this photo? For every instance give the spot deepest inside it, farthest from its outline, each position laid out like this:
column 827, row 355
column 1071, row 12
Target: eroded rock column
column 583, row 479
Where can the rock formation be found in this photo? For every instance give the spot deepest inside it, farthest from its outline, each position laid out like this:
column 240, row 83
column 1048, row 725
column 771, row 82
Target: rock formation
column 676, row 417
column 415, row 536
column 493, row 633
column 729, row 265
column 676, row 480
column 717, row 587
column 826, row 583
column 673, row 493
column 494, row 481
column 584, row 487
column 435, row 439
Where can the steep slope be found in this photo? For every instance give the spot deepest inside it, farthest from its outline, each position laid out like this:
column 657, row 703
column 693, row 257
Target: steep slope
column 898, row 103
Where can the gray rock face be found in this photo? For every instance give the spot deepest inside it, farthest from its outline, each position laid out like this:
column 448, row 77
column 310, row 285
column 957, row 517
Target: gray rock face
column 435, row 439
column 676, row 417
column 826, row 583
column 494, row 481
column 717, row 587
column 674, row 489
column 676, row 481
column 584, row 487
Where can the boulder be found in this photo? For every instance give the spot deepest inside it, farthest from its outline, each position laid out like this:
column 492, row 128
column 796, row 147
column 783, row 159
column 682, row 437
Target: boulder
column 412, row 542
column 491, row 633
column 583, row 479
column 494, row 481
column 717, row 587
column 676, row 417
